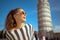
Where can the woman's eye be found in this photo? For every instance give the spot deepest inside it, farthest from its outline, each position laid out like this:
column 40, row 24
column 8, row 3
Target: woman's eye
column 23, row 12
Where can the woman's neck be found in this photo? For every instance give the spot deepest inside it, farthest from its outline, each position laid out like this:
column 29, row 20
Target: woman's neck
column 20, row 24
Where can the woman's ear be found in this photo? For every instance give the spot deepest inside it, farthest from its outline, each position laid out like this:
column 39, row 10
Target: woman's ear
column 14, row 16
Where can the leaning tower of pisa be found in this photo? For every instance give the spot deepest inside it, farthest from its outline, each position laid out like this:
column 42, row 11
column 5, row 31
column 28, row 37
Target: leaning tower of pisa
column 44, row 18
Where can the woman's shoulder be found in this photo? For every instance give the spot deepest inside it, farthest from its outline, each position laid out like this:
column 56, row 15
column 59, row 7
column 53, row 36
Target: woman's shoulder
column 29, row 25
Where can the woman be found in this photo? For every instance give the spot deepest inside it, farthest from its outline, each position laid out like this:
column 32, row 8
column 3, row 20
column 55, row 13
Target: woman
column 16, row 29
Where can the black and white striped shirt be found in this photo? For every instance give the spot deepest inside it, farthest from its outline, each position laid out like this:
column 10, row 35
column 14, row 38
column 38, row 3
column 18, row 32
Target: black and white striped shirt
column 25, row 33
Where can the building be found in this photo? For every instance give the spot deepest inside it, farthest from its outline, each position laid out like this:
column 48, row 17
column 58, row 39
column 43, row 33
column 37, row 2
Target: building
column 56, row 35
column 44, row 19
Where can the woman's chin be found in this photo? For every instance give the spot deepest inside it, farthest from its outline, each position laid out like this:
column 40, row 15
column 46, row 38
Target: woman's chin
column 24, row 20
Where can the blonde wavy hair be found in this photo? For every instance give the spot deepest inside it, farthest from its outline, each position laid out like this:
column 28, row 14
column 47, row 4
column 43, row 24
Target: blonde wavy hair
column 10, row 20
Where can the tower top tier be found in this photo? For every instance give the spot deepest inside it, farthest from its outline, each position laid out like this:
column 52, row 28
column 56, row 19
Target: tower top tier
column 43, row 0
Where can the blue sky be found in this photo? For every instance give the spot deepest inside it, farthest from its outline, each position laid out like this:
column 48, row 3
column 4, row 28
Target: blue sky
column 30, row 6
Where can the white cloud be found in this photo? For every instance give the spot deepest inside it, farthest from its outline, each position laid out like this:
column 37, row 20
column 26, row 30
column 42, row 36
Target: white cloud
column 56, row 29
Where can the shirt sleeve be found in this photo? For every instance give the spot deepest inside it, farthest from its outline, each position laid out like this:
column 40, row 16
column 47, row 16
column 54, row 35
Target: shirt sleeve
column 32, row 33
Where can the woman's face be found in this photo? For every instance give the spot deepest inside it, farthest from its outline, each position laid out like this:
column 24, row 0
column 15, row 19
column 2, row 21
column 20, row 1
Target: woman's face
column 20, row 15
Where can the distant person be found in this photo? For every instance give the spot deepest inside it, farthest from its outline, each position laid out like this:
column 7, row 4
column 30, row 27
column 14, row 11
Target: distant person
column 36, row 35
column 16, row 29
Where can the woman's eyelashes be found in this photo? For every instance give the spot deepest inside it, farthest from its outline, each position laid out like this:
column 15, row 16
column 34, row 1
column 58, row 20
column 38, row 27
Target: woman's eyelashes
column 23, row 12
